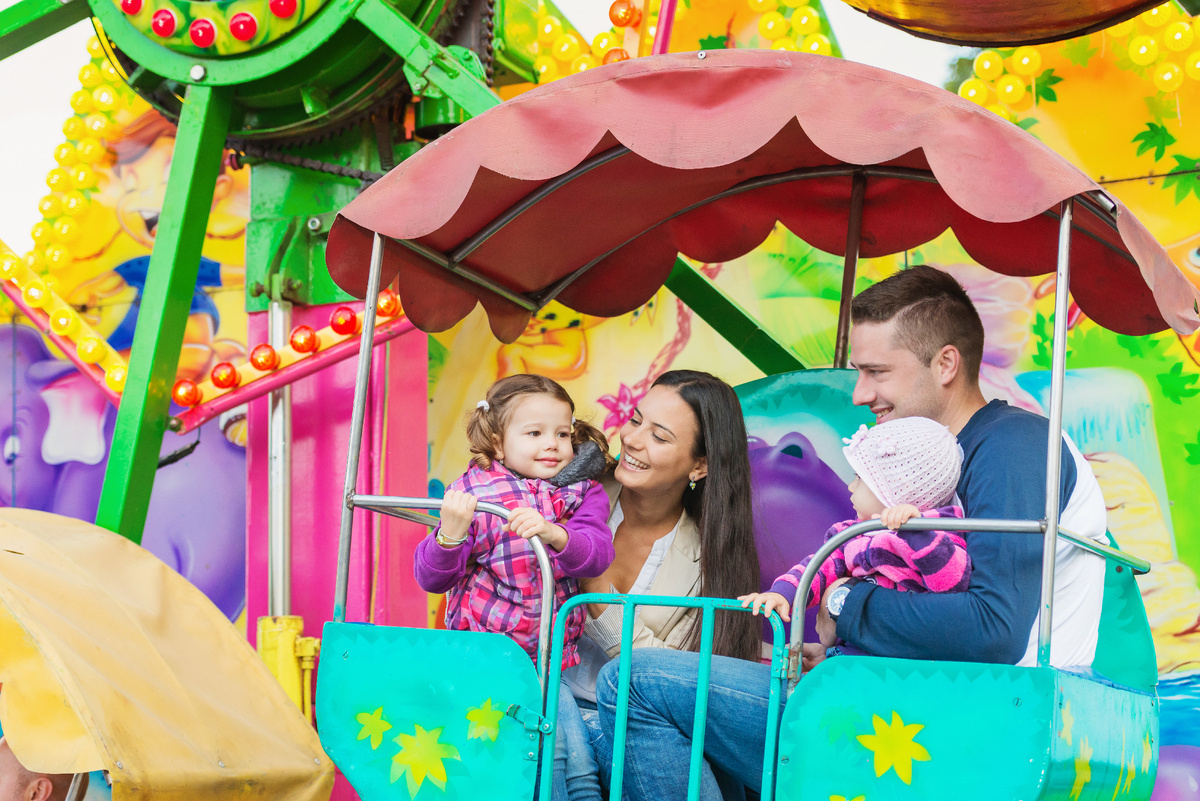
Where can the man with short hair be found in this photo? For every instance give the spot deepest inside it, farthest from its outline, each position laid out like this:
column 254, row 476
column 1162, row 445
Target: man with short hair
column 917, row 343
column 18, row 783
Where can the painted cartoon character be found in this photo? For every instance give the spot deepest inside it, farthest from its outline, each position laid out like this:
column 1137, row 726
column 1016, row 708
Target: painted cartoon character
column 56, row 448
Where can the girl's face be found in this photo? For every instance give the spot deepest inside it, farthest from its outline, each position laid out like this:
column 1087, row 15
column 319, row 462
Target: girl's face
column 537, row 439
column 657, row 445
column 866, row 505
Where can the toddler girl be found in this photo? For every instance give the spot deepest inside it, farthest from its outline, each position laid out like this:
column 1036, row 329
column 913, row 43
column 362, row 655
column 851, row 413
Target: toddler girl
column 904, row 468
column 522, row 436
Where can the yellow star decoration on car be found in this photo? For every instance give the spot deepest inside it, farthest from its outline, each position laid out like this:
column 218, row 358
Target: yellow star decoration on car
column 1083, row 768
column 485, row 722
column 1130, row 774
column 1147, row 754
column 420, row 758
column 1068, row 722
column 843, row 798
column 373, row 726
column 894, row 747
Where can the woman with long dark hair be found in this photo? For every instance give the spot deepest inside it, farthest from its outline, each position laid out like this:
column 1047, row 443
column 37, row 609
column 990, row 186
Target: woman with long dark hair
column 682, row 525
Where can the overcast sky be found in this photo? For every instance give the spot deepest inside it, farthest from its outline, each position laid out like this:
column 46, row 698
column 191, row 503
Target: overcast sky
column 36, row 85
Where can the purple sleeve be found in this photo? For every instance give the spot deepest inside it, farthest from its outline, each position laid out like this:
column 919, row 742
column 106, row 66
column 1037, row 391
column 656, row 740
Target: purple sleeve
column 437, row 569
column 786, row 584
column 589, row 548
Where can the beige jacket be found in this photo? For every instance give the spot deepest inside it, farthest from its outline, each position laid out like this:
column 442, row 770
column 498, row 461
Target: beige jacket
column 657, row 626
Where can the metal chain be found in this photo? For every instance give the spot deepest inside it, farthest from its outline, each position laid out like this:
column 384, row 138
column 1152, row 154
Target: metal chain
column 247, row 150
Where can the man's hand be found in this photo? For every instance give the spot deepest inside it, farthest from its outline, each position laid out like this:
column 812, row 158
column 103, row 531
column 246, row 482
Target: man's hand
column 526, row 523
column 896, row 516
column 826, row 626
column 813, row 655
column 458, row 510
column 768, row 601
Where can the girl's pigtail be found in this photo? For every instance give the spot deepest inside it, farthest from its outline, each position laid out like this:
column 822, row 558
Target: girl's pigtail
column 481, row 434
column 583, row 432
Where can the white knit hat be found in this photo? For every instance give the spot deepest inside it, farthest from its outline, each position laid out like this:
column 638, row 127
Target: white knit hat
column 911, row 460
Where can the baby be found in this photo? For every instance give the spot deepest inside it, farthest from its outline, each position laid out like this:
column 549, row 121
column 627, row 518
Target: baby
column 903, row 469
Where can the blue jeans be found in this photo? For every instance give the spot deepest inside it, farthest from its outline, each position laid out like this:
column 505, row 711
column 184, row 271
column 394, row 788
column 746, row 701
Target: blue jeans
column 582, row 754
column 662, row 705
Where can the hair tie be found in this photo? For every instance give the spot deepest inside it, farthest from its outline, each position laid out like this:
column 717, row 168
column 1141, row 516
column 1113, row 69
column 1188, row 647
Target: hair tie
column 487, row 407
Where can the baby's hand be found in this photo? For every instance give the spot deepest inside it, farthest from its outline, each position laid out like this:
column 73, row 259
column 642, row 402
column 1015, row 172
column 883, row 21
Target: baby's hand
column 895, row 516
column 458, row 510
column 768, row 601
column 526, row 523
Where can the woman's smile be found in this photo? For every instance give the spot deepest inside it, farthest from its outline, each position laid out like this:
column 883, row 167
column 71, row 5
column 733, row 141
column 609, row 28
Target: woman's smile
column 634, row 464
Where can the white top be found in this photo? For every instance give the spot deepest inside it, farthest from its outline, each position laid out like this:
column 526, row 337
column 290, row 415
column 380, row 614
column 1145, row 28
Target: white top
column 600, row 634
column 1078, row 576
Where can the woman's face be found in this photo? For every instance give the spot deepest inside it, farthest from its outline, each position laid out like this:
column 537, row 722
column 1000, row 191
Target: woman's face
column 657, row 445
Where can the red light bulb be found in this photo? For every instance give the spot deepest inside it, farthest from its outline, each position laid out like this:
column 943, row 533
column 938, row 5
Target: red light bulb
column 243, row 26
column 283, row 8
column 344, row 321
column 202, row 32
column 131, row 7
column 388, row 304
column 304, row 339
column 264, row 358
column 164, row 23
column 186, row 393
column 623, row 14
column 615, row 55
column 225, row 376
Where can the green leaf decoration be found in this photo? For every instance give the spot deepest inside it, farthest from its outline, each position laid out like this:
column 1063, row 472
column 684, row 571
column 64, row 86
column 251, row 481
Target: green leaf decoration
column 1156, row 138
column 1193, row 451
column 715, row 42
column 1176, row 386
column 1027, row 122
column 1079, row 51
column 1045, row 85
column 1161, row 108
column 1185, row 178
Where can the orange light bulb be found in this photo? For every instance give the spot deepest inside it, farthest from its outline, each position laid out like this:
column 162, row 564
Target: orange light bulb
column 344, row 321
column 185, row 393
column 225, row 376
column 304, row 339
column 264, row 358
column 388, row 304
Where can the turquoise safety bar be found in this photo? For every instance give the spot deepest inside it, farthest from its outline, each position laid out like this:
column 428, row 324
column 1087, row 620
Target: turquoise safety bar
column 777, row 692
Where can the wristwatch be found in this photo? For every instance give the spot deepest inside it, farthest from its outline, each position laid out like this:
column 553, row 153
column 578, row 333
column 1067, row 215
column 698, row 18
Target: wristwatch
column 837, row 598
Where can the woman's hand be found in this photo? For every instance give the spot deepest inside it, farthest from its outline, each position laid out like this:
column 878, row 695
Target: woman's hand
column 526, row 523
column 458, row 510
column 768, row 601
column 896, row 516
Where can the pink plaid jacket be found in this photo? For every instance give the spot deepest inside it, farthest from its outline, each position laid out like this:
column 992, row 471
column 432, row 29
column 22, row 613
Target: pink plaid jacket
column 502, row 589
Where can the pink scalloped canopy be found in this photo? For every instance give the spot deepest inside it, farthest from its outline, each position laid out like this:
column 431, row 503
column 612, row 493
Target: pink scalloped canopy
column 696, row 125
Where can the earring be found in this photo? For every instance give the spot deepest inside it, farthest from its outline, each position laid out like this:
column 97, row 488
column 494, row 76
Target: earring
column 692, row 484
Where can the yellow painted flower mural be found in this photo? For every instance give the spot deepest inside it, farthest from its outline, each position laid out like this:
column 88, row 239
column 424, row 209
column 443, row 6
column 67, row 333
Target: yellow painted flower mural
column 422, row 757
column 485, row 722
column 373, row 726
column 895, row 747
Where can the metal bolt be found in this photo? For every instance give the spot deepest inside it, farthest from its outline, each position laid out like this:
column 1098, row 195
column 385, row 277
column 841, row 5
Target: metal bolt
column 1016, row 702
column 1120, row 569
column 345, row 654
column 314, row 223
column 701, row 54
column 317, row 760
column 530, row 755
column 220, row 763
column 119, row 765
column 784, row 760
column 197, row 72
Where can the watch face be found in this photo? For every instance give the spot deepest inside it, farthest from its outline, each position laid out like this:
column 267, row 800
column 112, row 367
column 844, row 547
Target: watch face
column 837, row 601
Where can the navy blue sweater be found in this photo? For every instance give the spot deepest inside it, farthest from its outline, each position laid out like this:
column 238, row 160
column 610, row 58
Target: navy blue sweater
column 1003, row 477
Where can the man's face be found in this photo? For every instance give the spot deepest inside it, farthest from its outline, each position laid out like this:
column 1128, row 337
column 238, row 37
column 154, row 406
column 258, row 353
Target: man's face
column 892, row 381
column 15, row 781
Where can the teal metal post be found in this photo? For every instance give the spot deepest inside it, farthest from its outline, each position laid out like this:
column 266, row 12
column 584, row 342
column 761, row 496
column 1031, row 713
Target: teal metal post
column 731, row 321
column 174, row 265
column 30, row 21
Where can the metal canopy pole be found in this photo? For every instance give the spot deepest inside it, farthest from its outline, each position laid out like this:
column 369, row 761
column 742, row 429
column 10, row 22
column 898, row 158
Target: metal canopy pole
column 367, row 342
column 279, row 480
column 1058, row 368
column 858, row 195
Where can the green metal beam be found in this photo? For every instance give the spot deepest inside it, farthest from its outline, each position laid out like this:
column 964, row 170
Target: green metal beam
column 30, row 21
column 425, row 57
column 735, row 325
column 174, row 265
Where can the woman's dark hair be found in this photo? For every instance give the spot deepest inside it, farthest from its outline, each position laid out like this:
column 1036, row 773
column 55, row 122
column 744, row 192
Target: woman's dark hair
column 485, row 426
column 721, row 506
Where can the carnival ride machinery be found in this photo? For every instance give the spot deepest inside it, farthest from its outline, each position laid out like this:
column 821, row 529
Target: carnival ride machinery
column 314, row 94
column 702, row 154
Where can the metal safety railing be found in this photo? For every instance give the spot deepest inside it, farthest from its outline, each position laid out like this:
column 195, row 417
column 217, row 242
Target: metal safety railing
column 708, row 607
